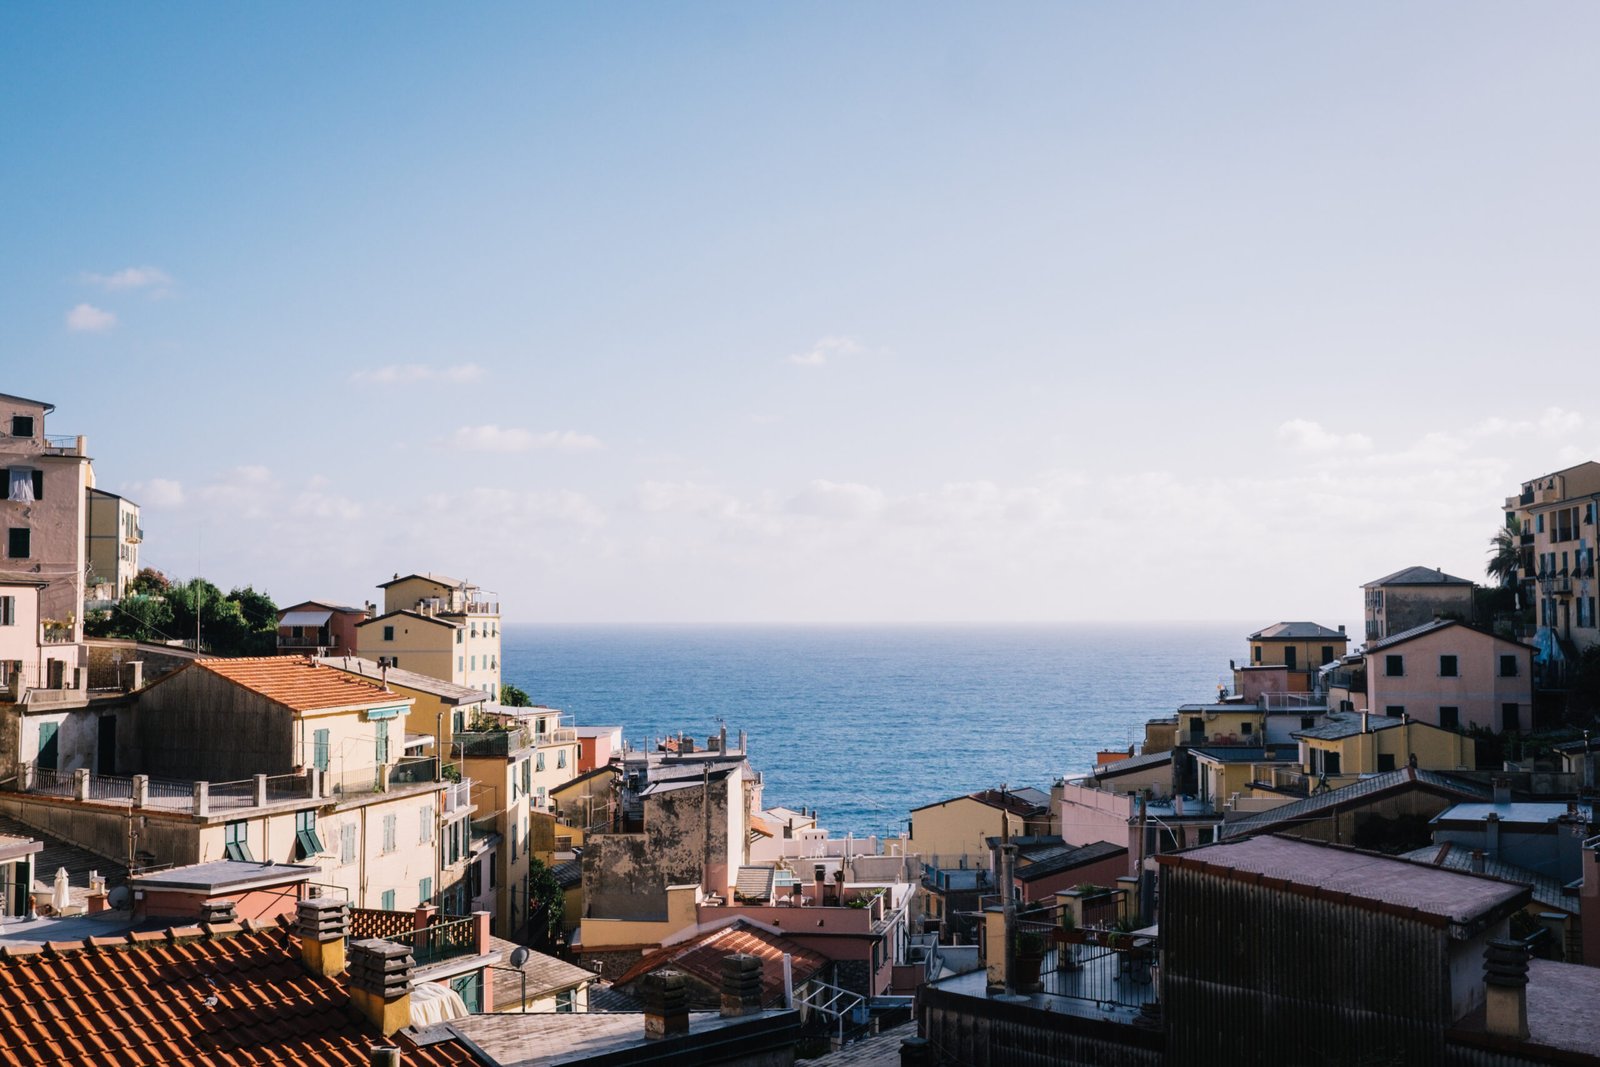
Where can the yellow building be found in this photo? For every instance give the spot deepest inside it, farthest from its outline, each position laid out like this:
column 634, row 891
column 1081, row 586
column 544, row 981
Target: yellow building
column 112, row 538
column 1225, row 773
column 1220, row 724
column 1352, row 744
column 952, row 831
column 439, row 626
column 1285, row 657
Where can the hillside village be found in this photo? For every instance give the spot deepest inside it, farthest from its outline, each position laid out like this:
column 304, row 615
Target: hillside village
column 1364, row 848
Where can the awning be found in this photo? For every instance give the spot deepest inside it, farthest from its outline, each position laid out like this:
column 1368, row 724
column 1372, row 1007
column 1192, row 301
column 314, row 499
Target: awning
column 305, row 618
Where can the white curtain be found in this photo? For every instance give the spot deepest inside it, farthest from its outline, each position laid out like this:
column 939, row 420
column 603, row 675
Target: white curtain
column 21, row 485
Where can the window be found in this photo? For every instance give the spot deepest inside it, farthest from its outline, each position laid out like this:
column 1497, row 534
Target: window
column 236, row 843
column 474, row 662
column 1245, row 728
column 561, row 756
column 319, row 750
column 1538, row 523
column 23, row 485
column 1449, row 718
column 565, row 1001
column 1447, row 667
column 1385, row 762
column 1510, row 717
column 1308, row 722
column 347, row 843
column 475, row 880
column 424, row 890
column 8, row 611
column 1394, row 711
column 19, row 542
column 22, row 426
column 1327, row 655
column 458, row 637
column 383, row 742
column 1330, row 762
column 425, row 830
column 527, row 773
column 388, row 633
column 461, row 663
column 458, row 721
column 1289, row 658
column 540, row 758
column 1508, row 666
column 305, row 834
column 515, row 830
column 386, row 902
column 389, row 825
column 1257, row 650
column 1394, row 666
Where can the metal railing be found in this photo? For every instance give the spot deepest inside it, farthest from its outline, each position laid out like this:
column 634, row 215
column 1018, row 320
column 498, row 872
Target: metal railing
column 440, row 941
column 413, row 770
column 63, row 444
column 314, row 641
column 458, row 796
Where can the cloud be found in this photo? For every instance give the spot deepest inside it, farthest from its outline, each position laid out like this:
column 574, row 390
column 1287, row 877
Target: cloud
column 157, row 493
column 493, row 438
column 1552, row 422
column 413, row 373
column 825, row 349
column 839, row 500
column 86, row 318
column 155, row 279
column 1308, row 436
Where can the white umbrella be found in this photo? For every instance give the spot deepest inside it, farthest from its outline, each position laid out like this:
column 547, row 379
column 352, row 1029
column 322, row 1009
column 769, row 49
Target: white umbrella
column 59, row 897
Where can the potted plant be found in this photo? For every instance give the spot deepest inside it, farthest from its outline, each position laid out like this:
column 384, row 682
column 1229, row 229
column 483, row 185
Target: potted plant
column 1028, row 956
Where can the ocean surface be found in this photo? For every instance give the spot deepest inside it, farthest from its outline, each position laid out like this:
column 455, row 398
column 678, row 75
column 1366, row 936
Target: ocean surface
column 866, row 723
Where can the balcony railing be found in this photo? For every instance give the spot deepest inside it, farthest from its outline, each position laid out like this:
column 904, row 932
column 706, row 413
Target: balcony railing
column 441, row 941
column 562, row 735
column 55, row 635
column 414, row 770
column 490, row 742
column 56, row 444
column 458, row 796
column 311, row 641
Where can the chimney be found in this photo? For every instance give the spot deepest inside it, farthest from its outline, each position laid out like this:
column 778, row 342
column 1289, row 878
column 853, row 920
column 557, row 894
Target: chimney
column 666, row 1004
column 1505, row 989
column 1341, row 627
column 1477, row 861
column 741, row 985
column 1366, row 724
column 722, row 738
column 1502, row 790
column 384, row 1056
column 820, row 874
column 322, row 923
column 380, row 983
column 1491, row 835
column 217, row 912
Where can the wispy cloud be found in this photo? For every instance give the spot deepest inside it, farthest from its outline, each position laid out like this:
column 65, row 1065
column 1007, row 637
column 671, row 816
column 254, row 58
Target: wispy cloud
column 157, row 493
column 413, row 373
column 154, row 279
column 1310, row 436
column 825, row 349
column 493, row 438
column 86, row 318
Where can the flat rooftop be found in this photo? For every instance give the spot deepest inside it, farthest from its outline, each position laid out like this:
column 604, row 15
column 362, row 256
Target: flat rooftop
column 517, row 1040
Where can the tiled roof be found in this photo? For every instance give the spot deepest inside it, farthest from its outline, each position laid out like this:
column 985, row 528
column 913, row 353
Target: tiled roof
column 1418, row 576
column 1342, row 724
column 546, row 975
column 298, row 682
column 143, row 999
column 1133, row 763
column 1318, row 807
column 441, row 579
column 1296, row 631
column 702, row 957
column 1546, row 890
column 568, row 875
column 1433, row 895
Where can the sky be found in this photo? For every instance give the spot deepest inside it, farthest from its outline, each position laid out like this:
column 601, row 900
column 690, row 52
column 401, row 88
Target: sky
column 809, row 312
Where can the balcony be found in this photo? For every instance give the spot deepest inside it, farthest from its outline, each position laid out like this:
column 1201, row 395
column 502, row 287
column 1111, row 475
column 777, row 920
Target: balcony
column 1556, row 585
column 65, row 445
column 54, row 634
column 310, row 641
column 490, row 742
column 561, row 735
column 458, row 796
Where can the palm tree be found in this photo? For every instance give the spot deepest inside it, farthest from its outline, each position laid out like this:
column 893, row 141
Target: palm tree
column 1505, row 554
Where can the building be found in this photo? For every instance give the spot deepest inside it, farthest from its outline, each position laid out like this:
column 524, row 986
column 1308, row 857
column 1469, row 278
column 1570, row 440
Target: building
column 955, row 832
column 1388, row 810
column 598, row 746
column 700, row 958
column 1350, row 745
column 439, row 626
column 27, row 651
column 1284, row 658
column 1414, row 597
column 1553, row 517
column 112, row 546
column 539, row 983
column 315, row 628
column 46, row 479
column 1452, row 675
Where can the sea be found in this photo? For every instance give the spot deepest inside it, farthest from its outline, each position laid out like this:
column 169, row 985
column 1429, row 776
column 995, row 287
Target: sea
column 865, row 723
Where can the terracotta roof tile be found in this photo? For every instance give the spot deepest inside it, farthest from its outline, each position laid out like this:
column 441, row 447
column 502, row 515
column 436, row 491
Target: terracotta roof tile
column 298, row 682
column 702, row 957
column 139, row 1002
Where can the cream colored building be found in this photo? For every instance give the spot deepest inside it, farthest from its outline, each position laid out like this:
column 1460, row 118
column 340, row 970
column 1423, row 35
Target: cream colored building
column 439, row 626
column 956, row 830
column 112, row 545
column 1558, row 518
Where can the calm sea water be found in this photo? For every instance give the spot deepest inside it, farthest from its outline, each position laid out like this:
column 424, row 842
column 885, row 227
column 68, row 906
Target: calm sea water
column 867, row 723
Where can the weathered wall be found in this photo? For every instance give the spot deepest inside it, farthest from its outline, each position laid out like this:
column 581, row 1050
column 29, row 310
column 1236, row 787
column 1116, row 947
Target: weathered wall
column 108, row 656
column 195, row 725
column 619, row 881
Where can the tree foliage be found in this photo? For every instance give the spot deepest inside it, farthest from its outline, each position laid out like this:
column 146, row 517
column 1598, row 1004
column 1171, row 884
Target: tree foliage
column 546, row 906
column 242, row 623
column 513, row 697
column 1505, row 554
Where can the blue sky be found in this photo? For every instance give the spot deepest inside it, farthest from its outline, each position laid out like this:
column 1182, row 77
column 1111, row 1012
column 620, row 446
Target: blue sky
column 811, row 312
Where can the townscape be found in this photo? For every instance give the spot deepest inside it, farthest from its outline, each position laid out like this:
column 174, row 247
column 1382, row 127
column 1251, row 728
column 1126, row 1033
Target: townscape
column 361, row 845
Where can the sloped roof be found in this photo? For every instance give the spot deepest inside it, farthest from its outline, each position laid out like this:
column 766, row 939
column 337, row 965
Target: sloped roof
column 1364, row 879
column 441, row 579
column 546, row 975
column 407, row 614
column 994, row 798
column 1546, row 890
column 448, row 692
column 1342, row 724
column 754, row 883
column 568, row 874
column 296, row 682
column 1430, row 627
column 1317, row 807
column 141, row 999
column 702, row 957
column 1297, row 631
column 1133, row 763
column 1082, row 856
column 1418, row 576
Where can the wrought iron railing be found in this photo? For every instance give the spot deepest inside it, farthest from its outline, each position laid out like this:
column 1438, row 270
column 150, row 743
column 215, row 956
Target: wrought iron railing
column 441, row 941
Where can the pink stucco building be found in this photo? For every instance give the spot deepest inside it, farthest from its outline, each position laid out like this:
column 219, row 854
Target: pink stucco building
column 1452, row 675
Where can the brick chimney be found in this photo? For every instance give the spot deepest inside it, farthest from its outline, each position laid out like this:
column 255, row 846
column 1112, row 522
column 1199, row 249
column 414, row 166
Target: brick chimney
column 322, row 923
column 380, row 983
column 666, row 1004
column 741, row 985
column 1505, row 988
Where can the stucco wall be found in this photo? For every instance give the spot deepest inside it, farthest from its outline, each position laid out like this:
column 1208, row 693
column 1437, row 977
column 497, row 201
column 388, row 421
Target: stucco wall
column 1477, row 690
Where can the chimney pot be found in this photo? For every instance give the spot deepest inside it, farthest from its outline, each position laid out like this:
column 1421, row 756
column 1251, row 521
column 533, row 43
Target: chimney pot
column 1505, row 988
column 380, row 983
column 216, row 912
column 666, row 1004
column 1477, row 861
column 741, row 985
column 322, row 924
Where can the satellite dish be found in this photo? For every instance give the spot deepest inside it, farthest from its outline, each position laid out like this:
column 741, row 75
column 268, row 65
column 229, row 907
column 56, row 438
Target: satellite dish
column 119, row 897
column 519, row 956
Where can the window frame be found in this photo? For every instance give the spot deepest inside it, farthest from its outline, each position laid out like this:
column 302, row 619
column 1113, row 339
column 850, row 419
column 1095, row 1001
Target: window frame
column 1394, row 665
column 236, row 841
column 307, row 841
column 31, row 422
column 1449, row 666
column 22, row 534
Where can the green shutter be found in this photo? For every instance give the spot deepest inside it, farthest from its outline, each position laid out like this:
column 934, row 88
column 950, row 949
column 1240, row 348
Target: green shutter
column 319, row 750
column 49, row 752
